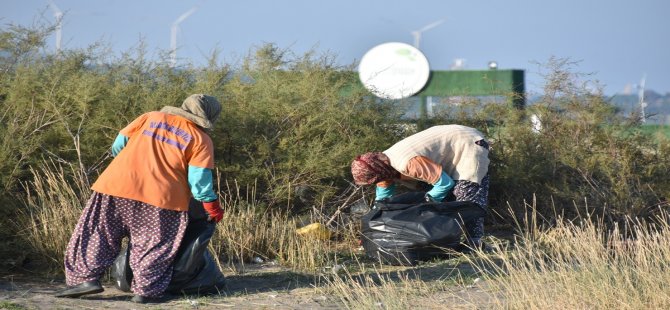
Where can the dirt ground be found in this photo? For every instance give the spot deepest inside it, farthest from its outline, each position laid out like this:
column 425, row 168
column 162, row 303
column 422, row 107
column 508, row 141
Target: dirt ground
column 260, row 287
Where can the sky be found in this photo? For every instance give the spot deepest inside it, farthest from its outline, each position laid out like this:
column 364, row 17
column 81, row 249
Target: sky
column 613, row 42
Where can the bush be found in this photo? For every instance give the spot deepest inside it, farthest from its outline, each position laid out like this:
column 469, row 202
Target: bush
column 289, row 126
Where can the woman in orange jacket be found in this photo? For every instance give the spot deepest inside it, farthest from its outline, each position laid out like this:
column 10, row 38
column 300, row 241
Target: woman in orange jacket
column 162, row 159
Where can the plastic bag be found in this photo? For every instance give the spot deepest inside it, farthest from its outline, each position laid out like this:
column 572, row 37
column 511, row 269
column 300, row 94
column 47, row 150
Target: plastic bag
column 404, row 229
column 194, row 268
column 315, row 231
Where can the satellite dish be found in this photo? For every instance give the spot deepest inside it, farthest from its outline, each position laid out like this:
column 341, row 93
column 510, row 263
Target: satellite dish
column 394, row 70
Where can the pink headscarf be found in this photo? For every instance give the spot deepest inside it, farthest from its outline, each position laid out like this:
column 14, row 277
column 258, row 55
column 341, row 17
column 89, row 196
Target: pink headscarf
column 371, row 168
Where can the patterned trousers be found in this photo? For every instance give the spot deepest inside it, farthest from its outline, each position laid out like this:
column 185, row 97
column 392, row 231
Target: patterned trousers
column 477, row 193
column 154, row 236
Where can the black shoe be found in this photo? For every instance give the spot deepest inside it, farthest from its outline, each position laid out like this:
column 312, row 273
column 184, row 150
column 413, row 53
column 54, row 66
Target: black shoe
column 86, row 288
column 139, row 299
column 486, row 248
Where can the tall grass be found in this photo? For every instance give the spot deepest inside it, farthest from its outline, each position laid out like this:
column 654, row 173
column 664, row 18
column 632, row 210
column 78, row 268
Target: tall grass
column 248, row 231
column 583, row 265
column 52, row 208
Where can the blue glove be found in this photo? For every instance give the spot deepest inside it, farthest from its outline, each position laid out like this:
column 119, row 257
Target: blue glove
column 441, row 188
column 384, row 192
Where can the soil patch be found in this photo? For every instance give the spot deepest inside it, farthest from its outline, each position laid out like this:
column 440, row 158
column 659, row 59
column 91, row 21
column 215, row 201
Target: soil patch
column 259, row 287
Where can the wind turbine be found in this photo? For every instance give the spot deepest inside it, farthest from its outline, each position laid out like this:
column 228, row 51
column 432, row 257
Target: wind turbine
column 640, row 97
column 58, row 15
column 417, row 33
column 175, row 27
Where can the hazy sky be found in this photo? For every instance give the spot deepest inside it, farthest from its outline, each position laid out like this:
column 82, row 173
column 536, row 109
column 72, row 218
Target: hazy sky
column 617, row 41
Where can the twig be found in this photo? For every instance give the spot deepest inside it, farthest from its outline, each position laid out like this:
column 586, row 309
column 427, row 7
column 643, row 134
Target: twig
column 221, row 305
column 342, row 206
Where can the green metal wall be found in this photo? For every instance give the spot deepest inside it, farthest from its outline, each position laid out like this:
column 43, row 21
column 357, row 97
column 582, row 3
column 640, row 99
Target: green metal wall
column 504, row 83
column 508, row 83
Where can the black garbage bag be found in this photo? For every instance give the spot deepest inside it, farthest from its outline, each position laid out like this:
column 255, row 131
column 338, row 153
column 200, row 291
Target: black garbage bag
column 194, row 268
column 404, row 229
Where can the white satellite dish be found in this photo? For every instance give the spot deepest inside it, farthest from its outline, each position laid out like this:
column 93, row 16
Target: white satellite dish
column 394, row 70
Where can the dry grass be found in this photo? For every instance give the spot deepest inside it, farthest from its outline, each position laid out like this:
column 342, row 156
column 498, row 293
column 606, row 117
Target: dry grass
column 53, row 206
column 583, row 266
column 377, row 291
column 572, row 265
column 246, row 233
column 436, row 285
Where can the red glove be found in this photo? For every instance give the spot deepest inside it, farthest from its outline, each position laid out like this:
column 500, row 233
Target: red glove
column 214, row 210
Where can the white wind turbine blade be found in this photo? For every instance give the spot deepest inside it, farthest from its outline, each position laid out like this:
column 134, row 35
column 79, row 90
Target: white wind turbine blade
column 417, row 33
column 640, row 93
column 432, row 25
column 173, row 37
column 640, row 97
column 58, row 15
